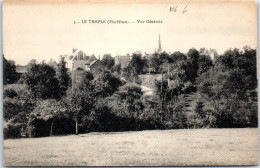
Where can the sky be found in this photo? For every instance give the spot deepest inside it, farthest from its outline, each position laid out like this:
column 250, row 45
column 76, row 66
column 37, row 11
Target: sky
column 45, row 30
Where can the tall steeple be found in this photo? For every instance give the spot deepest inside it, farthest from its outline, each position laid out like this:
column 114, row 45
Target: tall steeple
column 159, row 49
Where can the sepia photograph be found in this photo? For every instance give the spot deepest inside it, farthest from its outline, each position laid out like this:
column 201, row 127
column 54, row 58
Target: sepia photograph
column 130, row 83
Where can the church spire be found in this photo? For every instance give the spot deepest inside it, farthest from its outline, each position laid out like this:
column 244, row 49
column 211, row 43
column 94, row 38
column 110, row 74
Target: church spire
column 159, row 49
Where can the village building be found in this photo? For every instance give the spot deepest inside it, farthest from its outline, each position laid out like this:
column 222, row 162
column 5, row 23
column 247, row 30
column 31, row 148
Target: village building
column 122, row 60
column 95, row 67
column 21, row 69
column 78, row 60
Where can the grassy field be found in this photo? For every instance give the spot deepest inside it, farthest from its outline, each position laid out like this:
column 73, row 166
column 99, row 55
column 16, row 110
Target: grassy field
column 150, row 148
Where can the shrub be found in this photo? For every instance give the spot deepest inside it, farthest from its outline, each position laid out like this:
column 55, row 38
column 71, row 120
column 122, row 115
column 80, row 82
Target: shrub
column 13, row 129
column 9, row 92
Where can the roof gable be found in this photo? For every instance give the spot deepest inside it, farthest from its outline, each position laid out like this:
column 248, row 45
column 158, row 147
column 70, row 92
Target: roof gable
column 79, row 55
column 91, row 63
column 92, row 58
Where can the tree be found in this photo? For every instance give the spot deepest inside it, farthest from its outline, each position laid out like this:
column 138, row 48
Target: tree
column 193, row 64
column 227, row 87
column 31, row 63
column 228, row 58
column 248, row 63
column 160, row 61
column 161, row 89
column 177, row 56
column 17, row 100
column 245, row 61
column 151, row 116
column 18, row 103
column 134, row 68
column 117, row 69
column 193, row 56
column 204, row 64
column 155, row 62
column 164, row 63
column 53, row 64
column 63, row 76
column 136, row 64
column 41, row 79
column 9, row 72
column 126, row 103
column 178, row 75
column 80, row 98
column 106, row 84
column 12, row 107
column 199, row 109
column 108, row 61
column 49, row 109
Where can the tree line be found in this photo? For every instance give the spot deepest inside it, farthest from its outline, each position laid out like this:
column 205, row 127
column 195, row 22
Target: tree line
column 194, row 91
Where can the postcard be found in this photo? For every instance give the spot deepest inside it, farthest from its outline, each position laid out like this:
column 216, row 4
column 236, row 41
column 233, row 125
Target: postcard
column 130, row 83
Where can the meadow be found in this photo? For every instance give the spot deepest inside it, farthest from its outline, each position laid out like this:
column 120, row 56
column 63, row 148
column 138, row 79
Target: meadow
column 189, row 147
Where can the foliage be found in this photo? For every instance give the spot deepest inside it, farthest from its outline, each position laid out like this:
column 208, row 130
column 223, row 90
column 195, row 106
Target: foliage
column 9, row 92
column 161, row 88
column 129, row 96
column 155, row 62
column 159, row 61
column 245, row 61
column 117, row 69
column 17, row 106
column 226, row 86
column 126, row 103
column 205, row 63
column 13, row 129
column 9, row 72
column 191, row 91
column 46, row 111
column 177, row 57
column 41, row 78
column 106, row 84
column 193, row 64
column 17, row 101
column 80, row 98
column 63, row 76
column 102, row 119
column 134, row 68
column 176, row 116
column 136, row 64
column 49, row 109
column 151, row 115
column 199, row 109
column 108, row 61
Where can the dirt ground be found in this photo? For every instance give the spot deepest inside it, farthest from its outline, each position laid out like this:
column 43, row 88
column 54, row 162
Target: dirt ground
column 190, row 147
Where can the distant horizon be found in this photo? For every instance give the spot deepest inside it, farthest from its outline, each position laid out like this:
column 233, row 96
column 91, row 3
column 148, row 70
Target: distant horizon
column 101, row 56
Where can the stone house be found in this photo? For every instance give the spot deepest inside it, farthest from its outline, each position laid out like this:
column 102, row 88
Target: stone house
column 95, row 67
column 79, row 60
